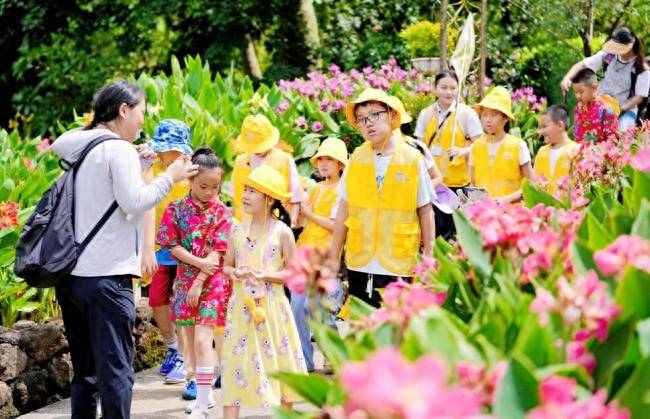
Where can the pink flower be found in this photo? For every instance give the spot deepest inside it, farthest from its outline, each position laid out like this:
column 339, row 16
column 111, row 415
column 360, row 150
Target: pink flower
column 44, row 145
column 558, row 401
column 543, row 303
column 29, row 164
column 626, row 251
column 282, row 107
column 387, row 385
column 557, row 390
column 323, row 105
column 578, row 354
column 317, row 126
column 428, row 264
column 301, row 122
column 334, row 69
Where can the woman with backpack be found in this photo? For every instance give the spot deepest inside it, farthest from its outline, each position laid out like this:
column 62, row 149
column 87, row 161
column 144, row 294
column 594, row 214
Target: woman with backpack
column 626, row 77
column 96, row 299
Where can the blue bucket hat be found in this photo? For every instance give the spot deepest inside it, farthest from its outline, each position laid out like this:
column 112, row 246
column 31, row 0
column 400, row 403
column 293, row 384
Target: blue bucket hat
column 171, row 135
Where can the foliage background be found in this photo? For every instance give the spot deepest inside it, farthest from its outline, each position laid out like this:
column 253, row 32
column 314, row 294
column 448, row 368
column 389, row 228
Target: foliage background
column 56, row 53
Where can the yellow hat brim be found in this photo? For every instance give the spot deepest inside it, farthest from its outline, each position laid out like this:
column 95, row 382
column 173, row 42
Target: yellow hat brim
column 352, row 118
column 248, row 147
column 494, row 107
column 340, row 159
column 266, row 191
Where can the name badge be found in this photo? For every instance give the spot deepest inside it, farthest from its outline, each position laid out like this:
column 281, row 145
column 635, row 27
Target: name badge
column 436, row 150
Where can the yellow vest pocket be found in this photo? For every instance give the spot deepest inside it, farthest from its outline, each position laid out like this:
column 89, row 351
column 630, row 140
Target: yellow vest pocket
column 353, row 242
column 406, row 239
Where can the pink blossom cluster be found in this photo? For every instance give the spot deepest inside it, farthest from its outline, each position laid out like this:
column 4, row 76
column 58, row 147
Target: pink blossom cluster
column 558, row 401
column 333, row 88
column 308, row 270
column 480, row 380
column 402, row 300
column 641, row 160
column 527, row 96
column 537, row 237
column 627, row 250
column 585, row 307
column 387, row 385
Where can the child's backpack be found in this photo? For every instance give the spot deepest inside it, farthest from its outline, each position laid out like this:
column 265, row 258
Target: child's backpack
column 47, row 250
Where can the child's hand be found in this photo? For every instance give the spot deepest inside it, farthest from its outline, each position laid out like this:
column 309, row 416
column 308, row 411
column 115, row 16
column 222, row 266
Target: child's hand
column 258, row 274
column 241, row 273
column 194, row 293
column 305, row 209
column 209, row 264
column 455, row 152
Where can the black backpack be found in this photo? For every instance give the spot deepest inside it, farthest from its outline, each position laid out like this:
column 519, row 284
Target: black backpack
column 47, row 250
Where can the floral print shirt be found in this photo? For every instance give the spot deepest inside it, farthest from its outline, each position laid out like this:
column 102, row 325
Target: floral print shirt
column 594, row 122
column 198, row 230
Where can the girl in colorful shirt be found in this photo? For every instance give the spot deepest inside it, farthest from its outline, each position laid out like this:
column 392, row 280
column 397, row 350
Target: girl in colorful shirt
column 195, row 229
column 261, row 336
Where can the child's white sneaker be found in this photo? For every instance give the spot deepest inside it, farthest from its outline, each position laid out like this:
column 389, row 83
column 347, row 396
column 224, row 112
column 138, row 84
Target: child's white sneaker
column 191, row 406
column 199, row 414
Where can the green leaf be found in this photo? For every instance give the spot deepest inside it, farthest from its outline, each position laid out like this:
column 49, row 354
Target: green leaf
column 536, row 342
column 641, row 226
column 640, row 190
column 643, row 329
column 610, row 352
column 583, row 256
column 359, row 309
column 434, row 332
column 633, row 294
column 470, row 241
column 567, row 370
column 313, row 388
column 284, row 413
column 517, row 392
column 534, row 195
column 598, row 236
column 331, row 344
column 635, row 394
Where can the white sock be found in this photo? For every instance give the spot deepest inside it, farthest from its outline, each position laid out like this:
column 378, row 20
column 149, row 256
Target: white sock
column 204, row 380
column 172, row 343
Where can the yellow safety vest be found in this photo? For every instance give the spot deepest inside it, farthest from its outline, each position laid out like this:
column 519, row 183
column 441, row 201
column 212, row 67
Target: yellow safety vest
column 323, row 198
column 178, row 191
column 562, row 166
column 278, row 159
column 383, row 222
column 503, row 175
column 455, row 173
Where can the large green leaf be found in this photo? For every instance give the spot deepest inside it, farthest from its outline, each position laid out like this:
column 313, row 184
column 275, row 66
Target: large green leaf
column 331, row 344
column 643, row 329
column 633, row 294
column 313, row 388
column 641, row 226
column 583, row 256
column 517, row 392
column 536, row 342
column 470, row 241
column 611, row 352
column 635, row 394
column 640, row 190
column 534, row 195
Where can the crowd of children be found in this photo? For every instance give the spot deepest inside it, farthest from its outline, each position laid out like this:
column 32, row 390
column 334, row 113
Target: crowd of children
column 217, row 283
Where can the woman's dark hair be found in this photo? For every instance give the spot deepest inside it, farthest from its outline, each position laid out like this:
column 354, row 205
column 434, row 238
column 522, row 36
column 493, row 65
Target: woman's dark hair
column 108, row 99
column 638, row 50
column 205, row 158
column 444, row 74
column 281, row 211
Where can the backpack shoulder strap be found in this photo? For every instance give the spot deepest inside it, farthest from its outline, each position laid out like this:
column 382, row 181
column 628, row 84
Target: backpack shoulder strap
column 95, row 142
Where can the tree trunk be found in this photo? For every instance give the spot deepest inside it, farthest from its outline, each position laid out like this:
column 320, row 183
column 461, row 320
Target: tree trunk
column 251, row 63
column 587, row 32
column 307, row 15
column 443, row 34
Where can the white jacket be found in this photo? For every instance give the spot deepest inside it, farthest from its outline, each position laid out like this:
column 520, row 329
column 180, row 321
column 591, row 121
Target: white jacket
column 110, row 172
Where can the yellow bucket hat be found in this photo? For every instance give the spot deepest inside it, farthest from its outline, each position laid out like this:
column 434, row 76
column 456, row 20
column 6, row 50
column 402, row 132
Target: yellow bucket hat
column 499, row 100
column 404, row 116
column 269, row 181
column 334, row 148
column 257, row 135
column 372, row 95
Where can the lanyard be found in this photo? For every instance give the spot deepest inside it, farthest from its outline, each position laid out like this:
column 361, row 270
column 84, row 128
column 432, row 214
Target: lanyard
column 435, row 136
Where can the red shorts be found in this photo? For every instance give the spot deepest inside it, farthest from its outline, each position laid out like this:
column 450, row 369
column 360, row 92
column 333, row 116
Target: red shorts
column 160, row 289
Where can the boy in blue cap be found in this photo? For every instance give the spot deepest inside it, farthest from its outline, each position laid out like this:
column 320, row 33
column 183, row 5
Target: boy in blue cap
column 170, row 140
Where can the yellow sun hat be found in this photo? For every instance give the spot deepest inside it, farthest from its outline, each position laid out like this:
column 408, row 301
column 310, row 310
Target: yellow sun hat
column 268, row 181
column 498, row 99
column 257, row 135
column 334, row 148
column 372, row 95
column 404, row 116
